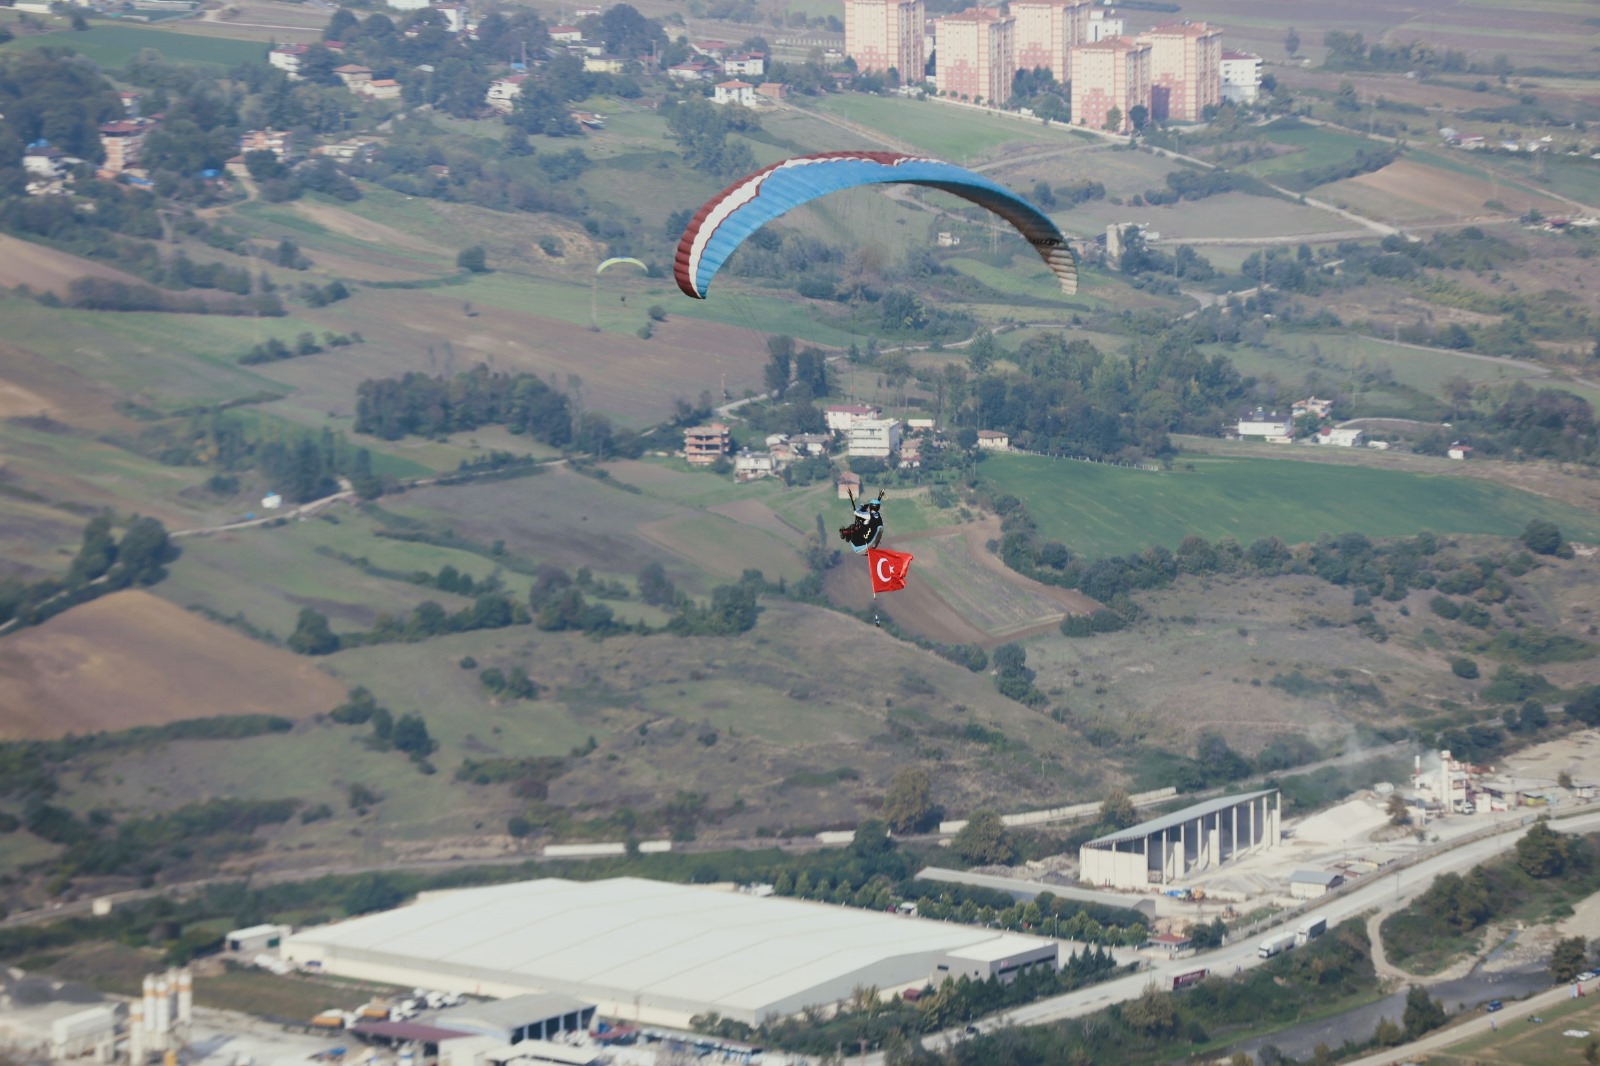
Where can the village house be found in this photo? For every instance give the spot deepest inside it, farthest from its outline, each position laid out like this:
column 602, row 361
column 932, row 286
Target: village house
column 745, row 65
column 993, row 440
column 808, row 444
column 750, row 466
column 1273, row 428
column 1457, row 450
column 849, row 485
column 911, row 453
column 693, row 70
column 841, row 416
column 874, row 438
column 503, row 92
column 772, row 90
column 455, row 15
column 704, row 445
column 279, row 142
column 604, row 64
column 566, row 35
column 1339, row 438
column 1311, row 406
column 380, row 89
column 287, row 57
column 735, row 92
column 353, row 74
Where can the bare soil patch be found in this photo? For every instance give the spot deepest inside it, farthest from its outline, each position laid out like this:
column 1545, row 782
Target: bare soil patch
column 31, row 385
column 1446, row 193
column 986, row 603
column 48, row 270
column 133, row 659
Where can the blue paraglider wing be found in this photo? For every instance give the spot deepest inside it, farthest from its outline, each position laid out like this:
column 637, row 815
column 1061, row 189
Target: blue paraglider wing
column 719, row 227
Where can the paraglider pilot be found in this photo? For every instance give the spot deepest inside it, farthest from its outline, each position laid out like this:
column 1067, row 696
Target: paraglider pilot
column 867, row 529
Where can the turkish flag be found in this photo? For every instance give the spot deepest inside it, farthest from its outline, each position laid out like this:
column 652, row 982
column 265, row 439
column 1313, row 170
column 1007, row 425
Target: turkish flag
column 888, row 569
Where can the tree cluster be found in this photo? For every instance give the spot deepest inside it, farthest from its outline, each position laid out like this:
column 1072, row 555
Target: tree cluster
column 419, row 404
column 102, row 565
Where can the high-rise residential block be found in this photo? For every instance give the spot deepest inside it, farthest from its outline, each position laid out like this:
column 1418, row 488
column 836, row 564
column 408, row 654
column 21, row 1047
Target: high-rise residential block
column 977, row 56
column 1113, row 75
column 886, row 34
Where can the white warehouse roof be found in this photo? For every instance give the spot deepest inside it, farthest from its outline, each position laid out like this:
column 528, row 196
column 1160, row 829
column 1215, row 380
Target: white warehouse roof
column 640, row 949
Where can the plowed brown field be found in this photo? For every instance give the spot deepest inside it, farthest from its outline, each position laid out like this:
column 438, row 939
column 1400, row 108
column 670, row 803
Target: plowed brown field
column 133, row 659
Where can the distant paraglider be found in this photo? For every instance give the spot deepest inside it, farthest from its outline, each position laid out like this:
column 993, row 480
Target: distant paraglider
column 594, row 285
column 719, row 227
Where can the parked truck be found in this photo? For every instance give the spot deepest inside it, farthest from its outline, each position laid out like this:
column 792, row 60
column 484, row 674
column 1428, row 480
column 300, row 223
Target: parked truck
column 1276, row 945
column 1310, row 929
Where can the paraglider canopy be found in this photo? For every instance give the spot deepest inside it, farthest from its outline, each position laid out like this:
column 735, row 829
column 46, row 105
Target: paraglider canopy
column 719, row 227
column 614, row 260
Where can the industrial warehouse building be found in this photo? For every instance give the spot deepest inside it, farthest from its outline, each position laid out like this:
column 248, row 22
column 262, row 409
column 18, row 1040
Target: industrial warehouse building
column 1171, row 847
column 654, row 952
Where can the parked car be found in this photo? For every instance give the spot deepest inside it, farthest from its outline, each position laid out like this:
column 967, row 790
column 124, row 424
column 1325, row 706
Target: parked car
column 1494, row 1005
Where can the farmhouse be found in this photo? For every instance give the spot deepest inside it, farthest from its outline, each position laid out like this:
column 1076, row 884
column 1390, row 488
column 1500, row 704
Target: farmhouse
column 993, row 440
column 810, row 443
column 704, row 445
column 566, row 34
column 1273, row 428
column 849, row 485
column 693, row 70
column 1339, row 438
column 735, row 92
column 1457, row 450
column 749, row 466
column 603, row 64
column 1311, row 406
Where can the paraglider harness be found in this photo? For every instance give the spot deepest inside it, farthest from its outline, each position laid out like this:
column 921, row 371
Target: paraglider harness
column 867, row 529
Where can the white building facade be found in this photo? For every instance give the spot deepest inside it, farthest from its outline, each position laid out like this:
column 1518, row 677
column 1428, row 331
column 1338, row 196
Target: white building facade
column 1170, row 848
column 874, row 438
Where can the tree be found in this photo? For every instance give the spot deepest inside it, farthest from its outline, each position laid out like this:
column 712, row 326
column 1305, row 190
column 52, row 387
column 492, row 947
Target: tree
column 97, row 552
column 1541, row 537
column 984, row 840
column 143, row 554
column 311, row 634
column 1114, row 120
column 410, row 735
column 871, row 839
column 1569, row 958
column 1118, row 811
column 1423, row 1013
column 1542, row 852
column 1153, row 1013
column 473, row 260
column 1396, row 809
column 1138, row 114
column 1291, row 42
column 1464, row 668
column 909, row 802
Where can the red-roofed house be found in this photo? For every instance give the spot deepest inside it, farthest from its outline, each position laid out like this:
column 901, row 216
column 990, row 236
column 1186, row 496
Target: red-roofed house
column 566, row 34
column 735, row 92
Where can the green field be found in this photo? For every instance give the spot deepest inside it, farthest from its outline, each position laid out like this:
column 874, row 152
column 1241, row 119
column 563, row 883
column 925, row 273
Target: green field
column 1308, row 147
column 111, row 45
column 1100, row 510
column 956, row 134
